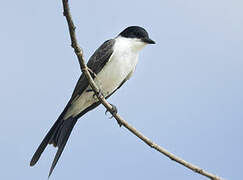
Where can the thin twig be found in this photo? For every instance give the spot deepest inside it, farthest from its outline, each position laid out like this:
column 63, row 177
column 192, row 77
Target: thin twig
column 85, row 70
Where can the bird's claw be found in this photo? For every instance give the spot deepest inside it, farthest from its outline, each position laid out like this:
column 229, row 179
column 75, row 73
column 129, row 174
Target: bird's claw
column 113, row 109
column 113, row 112
column 99, row 94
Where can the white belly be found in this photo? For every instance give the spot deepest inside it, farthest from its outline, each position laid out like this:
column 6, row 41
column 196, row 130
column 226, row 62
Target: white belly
column 120, row 66
column 115, row 71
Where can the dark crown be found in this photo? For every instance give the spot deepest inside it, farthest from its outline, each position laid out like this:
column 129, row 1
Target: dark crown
column 134, row 32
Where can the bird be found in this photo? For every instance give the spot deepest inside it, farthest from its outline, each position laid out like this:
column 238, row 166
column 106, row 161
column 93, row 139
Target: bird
column 112, row 64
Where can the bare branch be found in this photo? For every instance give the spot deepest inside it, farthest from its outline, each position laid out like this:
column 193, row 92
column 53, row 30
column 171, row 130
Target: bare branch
column 85, row 70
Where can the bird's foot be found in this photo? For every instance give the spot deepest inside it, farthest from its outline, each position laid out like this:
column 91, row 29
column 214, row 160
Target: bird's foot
column 113, row 112
column 98, row 94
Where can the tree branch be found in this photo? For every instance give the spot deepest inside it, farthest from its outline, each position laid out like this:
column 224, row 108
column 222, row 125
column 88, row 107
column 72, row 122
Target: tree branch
column 85, row 70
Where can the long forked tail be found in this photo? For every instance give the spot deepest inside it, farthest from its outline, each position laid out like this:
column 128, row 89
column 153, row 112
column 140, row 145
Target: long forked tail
column 58, row 136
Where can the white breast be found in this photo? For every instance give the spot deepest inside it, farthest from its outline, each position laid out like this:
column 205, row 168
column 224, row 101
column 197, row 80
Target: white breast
column 121, row 65
column 122, row 62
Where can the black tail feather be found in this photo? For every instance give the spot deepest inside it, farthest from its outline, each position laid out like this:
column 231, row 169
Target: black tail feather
column 58, row 136
column 62, row 138
column 44, row 143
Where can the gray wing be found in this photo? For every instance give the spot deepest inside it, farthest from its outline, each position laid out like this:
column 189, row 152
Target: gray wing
column 95, row 63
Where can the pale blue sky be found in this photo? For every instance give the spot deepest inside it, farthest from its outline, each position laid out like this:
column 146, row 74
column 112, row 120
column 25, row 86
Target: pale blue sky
column 186, row 93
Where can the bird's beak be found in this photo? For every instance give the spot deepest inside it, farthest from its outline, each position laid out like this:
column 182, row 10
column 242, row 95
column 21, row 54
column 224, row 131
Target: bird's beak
column 148, row 41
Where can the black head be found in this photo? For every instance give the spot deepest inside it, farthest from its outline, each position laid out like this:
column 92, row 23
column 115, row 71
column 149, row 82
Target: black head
column 137, row 32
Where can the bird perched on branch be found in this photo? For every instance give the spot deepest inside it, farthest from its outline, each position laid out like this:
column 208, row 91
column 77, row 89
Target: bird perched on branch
column 113, row 63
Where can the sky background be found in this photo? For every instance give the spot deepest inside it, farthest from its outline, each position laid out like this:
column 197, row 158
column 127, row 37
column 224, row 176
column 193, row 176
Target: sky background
column 186, row 94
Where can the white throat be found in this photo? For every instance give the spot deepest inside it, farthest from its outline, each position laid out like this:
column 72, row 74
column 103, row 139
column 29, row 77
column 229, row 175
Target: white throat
column 132, row 44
